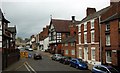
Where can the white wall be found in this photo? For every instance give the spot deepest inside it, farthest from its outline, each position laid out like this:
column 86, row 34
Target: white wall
column 46, row 43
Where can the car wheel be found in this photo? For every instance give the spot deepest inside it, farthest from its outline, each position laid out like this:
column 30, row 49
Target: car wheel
column 70, row 65
column 76, row 67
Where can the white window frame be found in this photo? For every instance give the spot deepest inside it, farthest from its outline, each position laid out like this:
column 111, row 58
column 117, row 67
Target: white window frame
column 93, row 48
column 92, row 41
column 85, row 39
column 79, row 28
column 66, row 52
column 108, row 57
column 85, row 26
column 107, row 27
column 79, row 38
column 80, row 52
column 72, row 52
column 66, row 44
column 108, row 40
column 92, row 23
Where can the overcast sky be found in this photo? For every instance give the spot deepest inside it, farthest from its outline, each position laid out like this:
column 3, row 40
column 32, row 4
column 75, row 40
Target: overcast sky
column 30, row 16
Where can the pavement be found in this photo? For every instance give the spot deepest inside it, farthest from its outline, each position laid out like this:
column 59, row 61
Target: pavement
column 0, row 61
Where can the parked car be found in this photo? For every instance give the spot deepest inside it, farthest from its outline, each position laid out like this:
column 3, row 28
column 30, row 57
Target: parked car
column 103, row 69
column 30, row 49
column 78, row 63
column 56, row 57
column 65, row 60
column 37, row 56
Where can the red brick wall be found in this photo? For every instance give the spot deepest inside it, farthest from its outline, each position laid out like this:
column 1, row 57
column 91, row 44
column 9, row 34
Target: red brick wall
column 69, row 48
column 88, row 32
column 97, row 30
column 82, row 33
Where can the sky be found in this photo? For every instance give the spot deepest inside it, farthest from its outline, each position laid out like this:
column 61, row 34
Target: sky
column 30, row 16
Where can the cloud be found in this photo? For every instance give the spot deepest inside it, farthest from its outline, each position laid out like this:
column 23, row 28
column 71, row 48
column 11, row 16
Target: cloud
column 30, row 16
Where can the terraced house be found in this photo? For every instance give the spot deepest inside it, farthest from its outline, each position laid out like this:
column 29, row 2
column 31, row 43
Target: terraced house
column 88, row 47
column 110, row 35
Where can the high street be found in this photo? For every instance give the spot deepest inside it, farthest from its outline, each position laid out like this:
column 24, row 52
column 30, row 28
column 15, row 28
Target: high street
column 46, row 64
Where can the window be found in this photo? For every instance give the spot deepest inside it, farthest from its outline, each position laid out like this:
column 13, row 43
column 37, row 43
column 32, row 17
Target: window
column 66, row 44
column 80, row 52
column 85, row 26
column 73, row 52
column 107, row 40
column 93, row 53
column 58, row 34
column 79, row 28
column 66, row 52
column 72, row 44
column 108, row 56
column 92, row 36
column 85, row 38
column 92, row 24
column 79, row 38
column 107, row 26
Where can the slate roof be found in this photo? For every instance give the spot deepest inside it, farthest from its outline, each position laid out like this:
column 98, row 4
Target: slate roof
column 115, row 16
column 94, row 15
column 69, row 39
column 62, row 25
column 12, row 29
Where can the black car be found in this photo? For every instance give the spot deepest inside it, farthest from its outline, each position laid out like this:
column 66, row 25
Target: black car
column 65, row 60
column 37, row 56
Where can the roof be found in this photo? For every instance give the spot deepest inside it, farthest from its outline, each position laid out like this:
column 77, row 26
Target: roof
column 115, row 16
column 12, row 29
column 62, row 25
column 94, row 15
column 69, row 39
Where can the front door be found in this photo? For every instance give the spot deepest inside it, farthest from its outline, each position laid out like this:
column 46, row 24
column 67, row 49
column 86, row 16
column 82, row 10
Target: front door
column 85, row 53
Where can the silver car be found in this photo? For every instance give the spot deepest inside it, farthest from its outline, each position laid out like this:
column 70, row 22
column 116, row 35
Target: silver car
column 56, row 57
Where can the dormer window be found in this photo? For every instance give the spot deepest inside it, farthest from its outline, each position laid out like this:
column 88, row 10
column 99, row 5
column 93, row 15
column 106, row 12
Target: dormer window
column 107, row 26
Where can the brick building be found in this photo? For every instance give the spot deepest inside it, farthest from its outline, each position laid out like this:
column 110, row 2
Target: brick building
column 69, row 44
column 88, row 47
column 110, row 35
column 58, row 31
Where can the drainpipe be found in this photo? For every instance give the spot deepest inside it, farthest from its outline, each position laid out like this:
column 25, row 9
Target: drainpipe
column 100, row 41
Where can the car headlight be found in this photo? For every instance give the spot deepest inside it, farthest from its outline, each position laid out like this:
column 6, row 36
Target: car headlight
column 80, row 65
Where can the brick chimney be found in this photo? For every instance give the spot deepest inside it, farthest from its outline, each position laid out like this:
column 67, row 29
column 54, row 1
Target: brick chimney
column 73, row 19
column 112, row 2
column 90, row 11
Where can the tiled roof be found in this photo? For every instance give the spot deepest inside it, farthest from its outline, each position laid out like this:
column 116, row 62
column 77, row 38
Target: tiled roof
column 69, row 39
column 94, row 15
column 62, row 25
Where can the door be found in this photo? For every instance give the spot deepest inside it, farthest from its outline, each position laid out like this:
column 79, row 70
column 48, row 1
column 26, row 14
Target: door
column 85, row 53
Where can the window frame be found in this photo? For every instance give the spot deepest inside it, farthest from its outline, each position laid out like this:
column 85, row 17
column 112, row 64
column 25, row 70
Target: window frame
column 92, row 24
column 85, row 26
column 108, row 52
column 80, row 52
column 72, row 52
column 66, row 52
column 79, row 38
column 92, row 37
column 85, row 38
column 108, row 40
column 107, row 28
column 93, row 57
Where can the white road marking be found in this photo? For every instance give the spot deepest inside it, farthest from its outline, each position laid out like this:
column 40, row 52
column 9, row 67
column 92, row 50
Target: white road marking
column 26, row 67
column 30, row 67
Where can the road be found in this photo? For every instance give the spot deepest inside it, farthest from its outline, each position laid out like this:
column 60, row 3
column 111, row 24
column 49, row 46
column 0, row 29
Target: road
column 46, row 64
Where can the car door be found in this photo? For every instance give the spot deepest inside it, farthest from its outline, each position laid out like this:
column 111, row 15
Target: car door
column 74, row 63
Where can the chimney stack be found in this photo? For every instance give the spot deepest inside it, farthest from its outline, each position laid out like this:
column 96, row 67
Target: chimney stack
column 73, row 19
column 112, row 2
column 90, row 11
